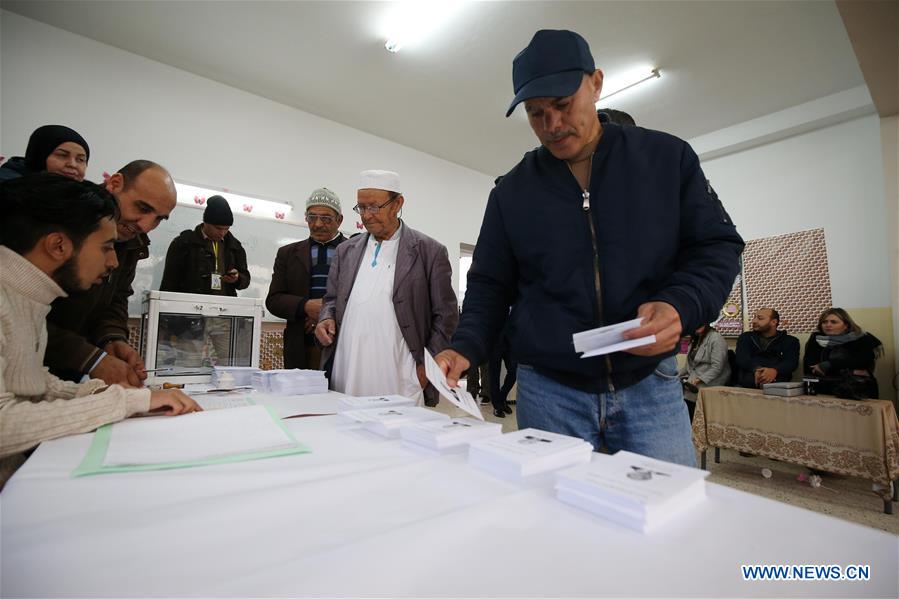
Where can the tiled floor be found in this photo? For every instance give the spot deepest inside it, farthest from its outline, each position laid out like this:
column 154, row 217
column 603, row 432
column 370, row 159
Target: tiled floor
column 841, row 497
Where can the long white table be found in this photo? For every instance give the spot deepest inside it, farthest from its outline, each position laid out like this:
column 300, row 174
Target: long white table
column 365, row 516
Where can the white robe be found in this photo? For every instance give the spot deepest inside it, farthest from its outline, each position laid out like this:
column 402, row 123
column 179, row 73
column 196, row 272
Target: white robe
column 372, row 357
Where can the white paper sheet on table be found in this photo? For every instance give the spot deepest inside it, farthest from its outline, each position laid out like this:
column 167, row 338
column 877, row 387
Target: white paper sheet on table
column 193, row 437
column 608, row 339
column 458, row 396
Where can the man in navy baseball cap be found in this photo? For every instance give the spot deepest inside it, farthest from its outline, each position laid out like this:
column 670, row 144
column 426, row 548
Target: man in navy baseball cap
column 553, row 65
column 599, row 225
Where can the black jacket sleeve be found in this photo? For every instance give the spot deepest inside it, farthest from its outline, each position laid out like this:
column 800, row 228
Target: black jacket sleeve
column 240, row 263
column 812, row 355
column 492, row 285
column 708, row 258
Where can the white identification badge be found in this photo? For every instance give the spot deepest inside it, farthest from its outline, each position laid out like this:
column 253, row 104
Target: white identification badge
column 216, row 282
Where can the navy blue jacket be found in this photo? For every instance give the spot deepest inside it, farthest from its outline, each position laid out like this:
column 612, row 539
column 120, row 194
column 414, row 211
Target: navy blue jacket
column 662, row 235
column 13, row 168
column 782, row 354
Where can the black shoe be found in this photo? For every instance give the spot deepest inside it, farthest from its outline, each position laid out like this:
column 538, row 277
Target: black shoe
column 507, row 409
column 499, row 413
column 485, row 400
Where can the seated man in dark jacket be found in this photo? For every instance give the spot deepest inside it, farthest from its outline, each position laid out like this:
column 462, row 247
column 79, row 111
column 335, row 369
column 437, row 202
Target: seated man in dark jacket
column 207, row 259
column 764, row 354
column 599, row 225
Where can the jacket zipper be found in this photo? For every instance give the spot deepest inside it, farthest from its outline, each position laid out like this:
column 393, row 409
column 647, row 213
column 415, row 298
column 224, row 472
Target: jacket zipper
column 585, row 194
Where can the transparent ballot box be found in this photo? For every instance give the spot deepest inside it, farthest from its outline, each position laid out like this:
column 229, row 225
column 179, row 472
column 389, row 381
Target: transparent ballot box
column 183, row 335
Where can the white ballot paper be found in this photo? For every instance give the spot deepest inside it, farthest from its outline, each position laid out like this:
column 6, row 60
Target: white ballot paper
column 387, row 421
column 609, row 339
column 634, row 490
column 528, row 451
column 456, row 433
column 371, row 402
column 458, row 396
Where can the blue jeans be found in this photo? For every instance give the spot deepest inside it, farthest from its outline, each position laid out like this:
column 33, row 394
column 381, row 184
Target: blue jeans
column 649, row 418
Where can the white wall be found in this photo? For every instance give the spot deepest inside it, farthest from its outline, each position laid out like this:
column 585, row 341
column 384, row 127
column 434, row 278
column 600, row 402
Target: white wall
column 830, row 178
column 889, row 135
column 129, row 107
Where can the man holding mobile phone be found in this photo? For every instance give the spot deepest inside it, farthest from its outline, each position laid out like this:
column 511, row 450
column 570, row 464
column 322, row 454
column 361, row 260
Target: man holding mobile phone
column 207, row 259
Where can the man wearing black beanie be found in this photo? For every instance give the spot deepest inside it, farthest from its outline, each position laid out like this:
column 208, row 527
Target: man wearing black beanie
column 51, row 148
column 207, row 259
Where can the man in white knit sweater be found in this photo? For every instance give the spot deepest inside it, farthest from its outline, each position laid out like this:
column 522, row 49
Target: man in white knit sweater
column 56, row 235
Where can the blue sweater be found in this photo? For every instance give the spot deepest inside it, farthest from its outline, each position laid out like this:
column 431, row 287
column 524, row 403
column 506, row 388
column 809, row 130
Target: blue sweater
column 661, row 235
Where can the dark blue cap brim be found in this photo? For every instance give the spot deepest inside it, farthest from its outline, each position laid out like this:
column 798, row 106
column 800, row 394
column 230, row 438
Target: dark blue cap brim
column 556, row 85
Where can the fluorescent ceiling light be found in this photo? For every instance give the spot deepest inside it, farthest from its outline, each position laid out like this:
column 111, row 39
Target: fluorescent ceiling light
column 626, row 81
column 410, row 22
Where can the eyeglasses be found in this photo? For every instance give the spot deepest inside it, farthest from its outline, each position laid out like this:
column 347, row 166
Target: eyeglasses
column 325, row 220
column 372, row 209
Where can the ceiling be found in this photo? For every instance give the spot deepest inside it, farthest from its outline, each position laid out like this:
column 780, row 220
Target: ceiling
column 722, row 63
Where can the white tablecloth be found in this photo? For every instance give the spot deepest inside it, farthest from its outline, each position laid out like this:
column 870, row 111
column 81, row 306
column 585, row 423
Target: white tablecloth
column 365, row 516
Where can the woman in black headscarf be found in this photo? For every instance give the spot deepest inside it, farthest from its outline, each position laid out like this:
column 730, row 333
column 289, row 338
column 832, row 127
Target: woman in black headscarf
column 841, row 356
column 51, row 148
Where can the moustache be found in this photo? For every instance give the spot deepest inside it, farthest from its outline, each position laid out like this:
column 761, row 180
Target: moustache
column 560, row 135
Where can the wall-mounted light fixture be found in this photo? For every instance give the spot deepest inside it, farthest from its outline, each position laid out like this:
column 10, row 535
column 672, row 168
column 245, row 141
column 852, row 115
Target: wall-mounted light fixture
column 622, row 82
column 196, row 196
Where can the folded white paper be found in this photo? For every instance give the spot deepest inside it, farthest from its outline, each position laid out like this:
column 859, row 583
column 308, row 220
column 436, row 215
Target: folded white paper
column 458, row 396
column 609, row 339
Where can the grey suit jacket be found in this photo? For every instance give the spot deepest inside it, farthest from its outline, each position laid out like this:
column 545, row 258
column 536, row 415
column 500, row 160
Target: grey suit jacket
column 423, row 296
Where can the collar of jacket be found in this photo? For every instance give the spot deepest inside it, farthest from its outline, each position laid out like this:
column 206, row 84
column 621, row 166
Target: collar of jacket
column 139, row 243
column 336, row 241
column 197, row 237
column 561, row 177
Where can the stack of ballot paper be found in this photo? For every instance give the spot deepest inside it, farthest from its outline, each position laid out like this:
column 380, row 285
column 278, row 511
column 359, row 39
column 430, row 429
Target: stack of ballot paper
column 633, row 490
column 232, row 376
column 528, row 451
column 784, row 389
column 605, row 340
column 290, row 382
column 440, row 435
column 387, row 421
column 372, row 401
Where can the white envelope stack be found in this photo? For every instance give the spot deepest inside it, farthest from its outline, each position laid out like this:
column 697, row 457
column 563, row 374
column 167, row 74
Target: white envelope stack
column 290, row 382
column 439, row 435
column 233, row 376
column 632, row 490
column 527, row 452
column 371, row 402
column 387, row 421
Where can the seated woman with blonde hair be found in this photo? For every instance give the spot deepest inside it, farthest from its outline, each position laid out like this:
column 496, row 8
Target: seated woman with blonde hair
column 842, row 356
column 706, row 365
